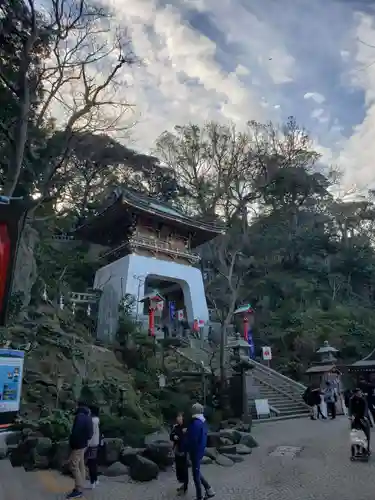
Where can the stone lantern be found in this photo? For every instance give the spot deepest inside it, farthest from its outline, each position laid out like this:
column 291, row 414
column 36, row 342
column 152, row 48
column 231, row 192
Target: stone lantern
column 327, row 354
column 240, row 363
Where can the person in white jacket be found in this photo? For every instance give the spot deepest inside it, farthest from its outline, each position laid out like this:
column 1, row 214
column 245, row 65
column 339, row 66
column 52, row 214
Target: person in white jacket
column 92, row 448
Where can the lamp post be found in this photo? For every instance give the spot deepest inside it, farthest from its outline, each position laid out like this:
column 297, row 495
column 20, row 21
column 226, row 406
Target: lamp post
column 247, row 314
column 154, row 301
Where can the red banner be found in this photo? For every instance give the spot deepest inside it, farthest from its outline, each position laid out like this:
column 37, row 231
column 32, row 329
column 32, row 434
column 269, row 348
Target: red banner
column 4, row 261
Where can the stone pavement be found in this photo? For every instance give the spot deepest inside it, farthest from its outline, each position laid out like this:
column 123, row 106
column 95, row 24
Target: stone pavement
column 321, row 470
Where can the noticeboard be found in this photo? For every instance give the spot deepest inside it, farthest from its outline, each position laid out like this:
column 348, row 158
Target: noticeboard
column 262, row 408
column 11, row 371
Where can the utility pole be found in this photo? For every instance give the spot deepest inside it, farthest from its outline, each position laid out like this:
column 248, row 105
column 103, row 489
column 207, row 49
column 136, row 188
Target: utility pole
column 141, row 280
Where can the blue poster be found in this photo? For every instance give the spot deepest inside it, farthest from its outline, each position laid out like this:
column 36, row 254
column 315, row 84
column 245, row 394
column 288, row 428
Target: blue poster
column 172, row 310
column 251, row 343
column 11, row 370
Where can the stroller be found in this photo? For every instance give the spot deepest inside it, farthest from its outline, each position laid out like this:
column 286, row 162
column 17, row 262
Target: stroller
column 359, row 445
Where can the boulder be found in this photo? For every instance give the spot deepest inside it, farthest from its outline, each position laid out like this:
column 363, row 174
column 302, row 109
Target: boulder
column 159, row 436
column 224, row 461
column 235, row 458
column 211, row 453
column 128, row 455
column 242, row 449
column 161, row 453
column 33, row 453
column 116, row 469
column 143, row 469
column 112, row 450
column 14, row 438
column 60, row 455
column 225, row 441
column 248, row 440
column 213, row 440
column 232, row 434
column 242, row 427
column 231, row 449
column 40, row 455
column 206, row 460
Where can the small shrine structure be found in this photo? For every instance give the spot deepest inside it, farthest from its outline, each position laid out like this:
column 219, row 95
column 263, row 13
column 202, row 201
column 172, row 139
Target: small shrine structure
column 364, row 368
column 325, row 368
column 147, row 245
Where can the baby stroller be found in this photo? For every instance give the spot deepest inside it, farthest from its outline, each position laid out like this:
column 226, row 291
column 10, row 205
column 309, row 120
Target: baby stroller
column 359, row 445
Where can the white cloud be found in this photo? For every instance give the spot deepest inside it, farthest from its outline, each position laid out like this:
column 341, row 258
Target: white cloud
column 315, row 96
column 170, row 47
column 357, row 156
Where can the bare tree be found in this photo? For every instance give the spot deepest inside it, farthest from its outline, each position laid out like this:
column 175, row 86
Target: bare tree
column 79, row 80
column 212, row 165
column 226, row 283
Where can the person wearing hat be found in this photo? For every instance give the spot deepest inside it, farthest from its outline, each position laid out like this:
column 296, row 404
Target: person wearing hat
column 196, row 445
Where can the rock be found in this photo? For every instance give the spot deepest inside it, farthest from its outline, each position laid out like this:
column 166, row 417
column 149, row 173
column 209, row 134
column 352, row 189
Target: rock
column 234, row 458
column 224, row 461
column 3, row 451
column 159, row 436
column 143, row 469
column 225, row 441
column 211, row 453
column 242, row 449
column 41, row 453
column 60, row 455
column 14, row 438
column 248, row 440
column 206, row 460
column 33, row 453
column 161, row 453
column 116, row 469
column 244, row 427
column 128, row 454
column 213, row 440
column 230, row 449
column 232, row 434
column 112, row 450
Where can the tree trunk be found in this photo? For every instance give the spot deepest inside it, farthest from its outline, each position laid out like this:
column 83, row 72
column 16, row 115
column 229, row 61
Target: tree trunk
column 25, row 271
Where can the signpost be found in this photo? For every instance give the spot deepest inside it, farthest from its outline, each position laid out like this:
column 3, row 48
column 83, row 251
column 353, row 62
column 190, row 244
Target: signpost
column 267, row 354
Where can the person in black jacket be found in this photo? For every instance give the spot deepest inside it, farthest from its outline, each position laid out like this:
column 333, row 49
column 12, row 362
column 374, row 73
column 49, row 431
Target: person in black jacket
column 358, row 414
column 80, row 435
column 178, row 438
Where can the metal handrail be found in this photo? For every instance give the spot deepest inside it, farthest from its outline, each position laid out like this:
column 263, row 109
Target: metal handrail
column 276, row 374
column 281, row 391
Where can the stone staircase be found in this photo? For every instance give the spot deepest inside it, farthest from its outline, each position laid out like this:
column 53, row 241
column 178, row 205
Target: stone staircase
column 284, row 394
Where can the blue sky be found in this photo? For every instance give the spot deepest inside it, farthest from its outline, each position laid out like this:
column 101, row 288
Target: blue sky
column 236, row 60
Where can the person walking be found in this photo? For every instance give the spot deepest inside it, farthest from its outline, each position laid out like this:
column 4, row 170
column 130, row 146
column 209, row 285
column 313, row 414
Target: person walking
column 81, row 433
column 92, row 448
column 196, row 445
column 330, row 397
column 358, row 414
column 178, row 438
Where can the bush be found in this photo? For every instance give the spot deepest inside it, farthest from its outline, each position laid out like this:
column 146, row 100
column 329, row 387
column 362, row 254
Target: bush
column 131, row 430
column 56, row 426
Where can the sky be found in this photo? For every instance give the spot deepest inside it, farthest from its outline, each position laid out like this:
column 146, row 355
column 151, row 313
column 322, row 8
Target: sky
column 240, row 60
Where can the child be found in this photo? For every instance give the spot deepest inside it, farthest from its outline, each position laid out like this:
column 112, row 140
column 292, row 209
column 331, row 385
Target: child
column 92, row 448
column 178, row 437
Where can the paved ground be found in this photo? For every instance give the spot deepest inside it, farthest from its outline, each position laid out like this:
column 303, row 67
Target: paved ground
column 321, row 471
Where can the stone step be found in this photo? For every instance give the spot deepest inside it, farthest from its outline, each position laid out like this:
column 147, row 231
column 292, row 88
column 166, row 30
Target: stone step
column 282, row 417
